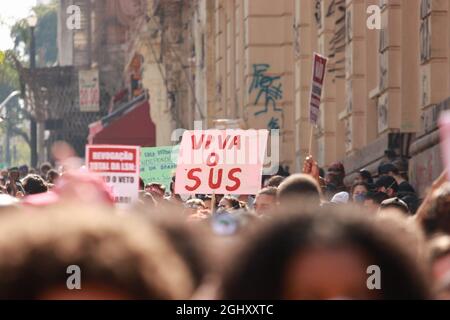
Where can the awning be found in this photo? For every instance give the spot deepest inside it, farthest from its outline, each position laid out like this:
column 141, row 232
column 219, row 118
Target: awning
column 130, row 124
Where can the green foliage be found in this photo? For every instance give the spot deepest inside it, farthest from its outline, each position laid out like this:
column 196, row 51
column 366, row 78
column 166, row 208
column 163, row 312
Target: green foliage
column 45, row 33
column 47, row 52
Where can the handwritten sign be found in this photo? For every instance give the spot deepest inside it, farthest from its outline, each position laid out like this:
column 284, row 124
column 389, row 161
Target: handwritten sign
column 444, row 128
column 119, row 167
column 157, row 165
column 319, row 69
column 89, row 90
column 221, row 162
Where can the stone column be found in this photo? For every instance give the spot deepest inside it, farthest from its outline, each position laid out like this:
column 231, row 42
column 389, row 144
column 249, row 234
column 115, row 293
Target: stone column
column 268, row 73
column 305, row 42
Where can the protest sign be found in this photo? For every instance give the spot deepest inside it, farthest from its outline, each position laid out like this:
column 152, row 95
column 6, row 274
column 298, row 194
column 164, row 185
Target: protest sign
column 89, row 90
column 119, row 167
column 319, row 68
column 221, row 162
column 157, row 165
column 444, row 128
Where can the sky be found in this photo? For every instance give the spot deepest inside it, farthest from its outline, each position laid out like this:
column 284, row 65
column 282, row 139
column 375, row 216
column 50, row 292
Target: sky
column 11, row 13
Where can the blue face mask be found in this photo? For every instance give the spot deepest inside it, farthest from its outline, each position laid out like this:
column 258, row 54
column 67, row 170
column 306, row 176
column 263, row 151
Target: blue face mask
column 360, row 198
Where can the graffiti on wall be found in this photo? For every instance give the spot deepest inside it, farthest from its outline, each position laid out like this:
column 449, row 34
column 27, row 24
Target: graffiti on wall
column 425, row 31
column 269, row 90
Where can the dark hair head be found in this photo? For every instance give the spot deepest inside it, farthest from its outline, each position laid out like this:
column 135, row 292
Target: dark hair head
column 260, row 269
column 299, row 186
column 275, row 181
column 387, row 182
column 34, row 184
column 159, row 186
column 363, row 184
column 335, row 178
column 234, row 203
column 52, row 175
column 24, row 169
column 366, row 175
column 46, row 166
column 337, row 167
column 189, row 242
column 387, row 168
column 125, row 255
column 377, row 197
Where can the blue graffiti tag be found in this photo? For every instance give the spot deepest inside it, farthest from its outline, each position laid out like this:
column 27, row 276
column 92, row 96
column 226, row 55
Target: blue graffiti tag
column 266, row 85
column 273, row 124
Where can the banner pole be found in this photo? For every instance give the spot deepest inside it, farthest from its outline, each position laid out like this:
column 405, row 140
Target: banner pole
column 311, row 141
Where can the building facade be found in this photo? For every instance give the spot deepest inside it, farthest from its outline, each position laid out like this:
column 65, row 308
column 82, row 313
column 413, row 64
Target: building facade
column 251, row 60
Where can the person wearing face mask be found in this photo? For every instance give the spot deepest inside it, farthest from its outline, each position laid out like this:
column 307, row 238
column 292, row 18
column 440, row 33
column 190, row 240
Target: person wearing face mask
column 359, row 192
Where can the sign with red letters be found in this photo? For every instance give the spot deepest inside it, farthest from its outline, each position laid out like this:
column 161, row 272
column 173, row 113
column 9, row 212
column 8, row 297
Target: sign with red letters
column 119, row 166
column 221, row 162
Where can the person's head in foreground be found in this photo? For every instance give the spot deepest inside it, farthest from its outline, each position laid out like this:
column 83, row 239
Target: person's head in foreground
column 299, row 189
column 49, row 256
column 438, row 217
column 325, row 254
column 439, row 249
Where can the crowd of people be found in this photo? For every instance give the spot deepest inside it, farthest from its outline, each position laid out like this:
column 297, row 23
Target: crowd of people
column 306, row 236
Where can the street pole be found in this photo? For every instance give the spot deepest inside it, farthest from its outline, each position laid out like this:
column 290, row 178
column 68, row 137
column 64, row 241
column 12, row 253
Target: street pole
column 33, row 124
column 7, row 158
column 8, row 140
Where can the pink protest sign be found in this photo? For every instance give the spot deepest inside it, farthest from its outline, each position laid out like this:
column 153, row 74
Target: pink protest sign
column 221, row 162
column 444, row 126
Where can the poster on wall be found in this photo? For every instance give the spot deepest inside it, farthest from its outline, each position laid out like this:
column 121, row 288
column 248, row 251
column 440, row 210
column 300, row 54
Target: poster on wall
column 89, row 90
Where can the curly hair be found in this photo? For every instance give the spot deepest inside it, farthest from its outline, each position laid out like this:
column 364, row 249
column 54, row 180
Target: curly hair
column 260, row 268
column 34, row 184
column 113, row 251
